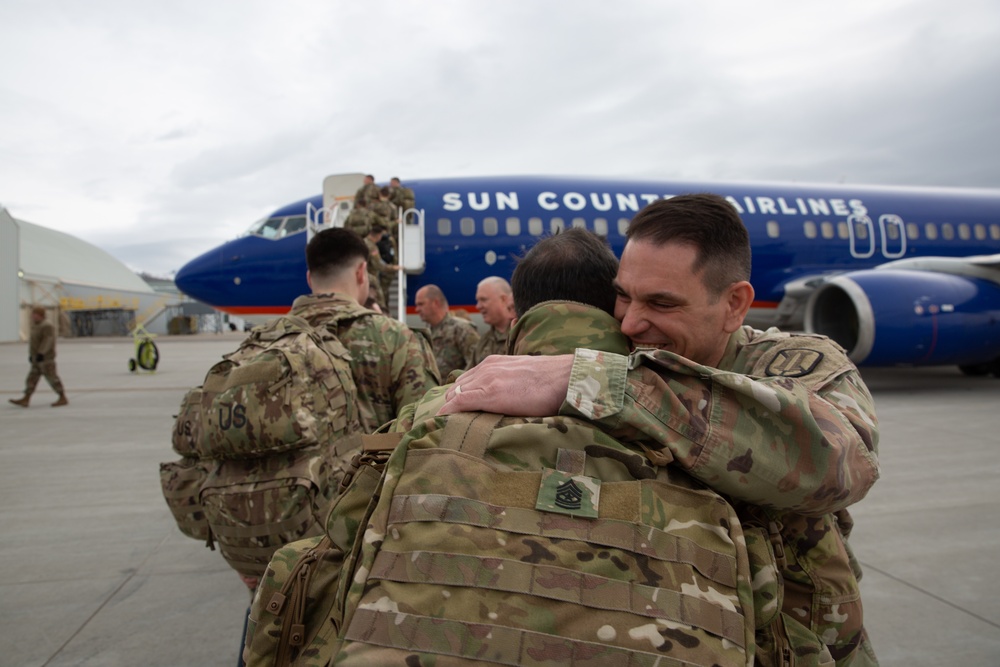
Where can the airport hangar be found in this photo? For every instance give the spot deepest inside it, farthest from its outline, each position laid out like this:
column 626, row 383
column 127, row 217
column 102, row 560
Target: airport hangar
column 83, row 289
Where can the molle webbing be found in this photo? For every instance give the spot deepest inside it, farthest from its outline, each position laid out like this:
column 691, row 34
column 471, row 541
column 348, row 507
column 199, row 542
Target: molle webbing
column 502, row 645
column 636, row 538
column 595, row 592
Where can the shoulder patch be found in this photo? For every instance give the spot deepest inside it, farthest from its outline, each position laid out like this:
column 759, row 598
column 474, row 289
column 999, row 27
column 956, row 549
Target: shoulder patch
column 794, row 362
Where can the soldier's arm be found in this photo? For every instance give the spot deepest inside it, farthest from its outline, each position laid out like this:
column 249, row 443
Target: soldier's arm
column 414, row 370
column 787, row 443
column 47, row 341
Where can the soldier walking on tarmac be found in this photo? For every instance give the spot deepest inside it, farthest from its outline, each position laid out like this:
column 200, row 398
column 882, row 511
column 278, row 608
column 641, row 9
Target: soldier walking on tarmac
column 42, row 356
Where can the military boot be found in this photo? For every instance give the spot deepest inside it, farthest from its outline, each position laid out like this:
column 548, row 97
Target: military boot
column 62, row 401
column 23, row 402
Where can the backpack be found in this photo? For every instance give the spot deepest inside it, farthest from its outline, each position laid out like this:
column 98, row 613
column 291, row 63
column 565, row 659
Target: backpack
column 513, row 541
column 262, row 441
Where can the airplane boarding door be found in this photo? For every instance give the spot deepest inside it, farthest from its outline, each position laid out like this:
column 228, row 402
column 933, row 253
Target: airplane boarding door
column 411, row 252
column 338, row 200
column 862, row 233
column 893, row 236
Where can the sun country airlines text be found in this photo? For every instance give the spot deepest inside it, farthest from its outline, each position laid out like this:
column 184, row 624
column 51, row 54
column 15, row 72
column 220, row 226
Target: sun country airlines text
column 624, row 202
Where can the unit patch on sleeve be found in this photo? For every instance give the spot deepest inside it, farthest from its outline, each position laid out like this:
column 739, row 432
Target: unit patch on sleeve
column 794, row 363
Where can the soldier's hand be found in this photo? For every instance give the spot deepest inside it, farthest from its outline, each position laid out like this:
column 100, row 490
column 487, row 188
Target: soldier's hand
column 520, row 386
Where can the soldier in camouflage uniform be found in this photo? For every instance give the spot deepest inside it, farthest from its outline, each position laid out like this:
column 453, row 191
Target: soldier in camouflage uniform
column 360, row 219
column 42, row 357
column 781, row 423
column 391, row 367
column 378, row 268
column 385, row 213
column 454, row 340
column 400, row 195
column 368, row 192
column 496, row 304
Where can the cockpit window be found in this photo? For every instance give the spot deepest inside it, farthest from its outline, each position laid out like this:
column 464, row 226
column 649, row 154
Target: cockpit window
column 292, row 225
column 266, row 228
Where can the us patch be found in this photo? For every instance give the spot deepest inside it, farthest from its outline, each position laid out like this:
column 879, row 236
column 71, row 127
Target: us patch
column 564, row 493
column 794, row 363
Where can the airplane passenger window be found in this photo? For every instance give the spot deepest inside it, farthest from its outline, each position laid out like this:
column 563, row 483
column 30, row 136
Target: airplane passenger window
column 912, row 231
column 490, row 226
column 773, row 229
column 444, row 226
column 579, row 223
column 601, row 226
column 843, row 231
column 964, row 232
column 513, row 226
column 826, row 229
column 809, row 229
column 980, row 232
column 860, row 230
column 467, row 226
column 995, row 232
column 892, row 231
column 535, row 226
column 948, row 231
column 622, row 226
column 556, row 225
column 930, row 231
column 293, row 225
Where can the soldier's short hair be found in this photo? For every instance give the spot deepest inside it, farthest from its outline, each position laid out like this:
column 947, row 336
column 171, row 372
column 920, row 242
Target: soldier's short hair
column 709, row 223
column 573, row 265
column 38, row 310
column 384, row 191
column 378, row 227
column 334, row 250
column 434, row 293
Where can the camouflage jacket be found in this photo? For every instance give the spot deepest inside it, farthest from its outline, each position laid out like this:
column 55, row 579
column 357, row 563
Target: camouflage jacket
column 454, row 342
column 402, row 197
column 376, row 265
column 786, row 424
column 367, row 193
column 42, row 341
column 360, row 221
column 493, row 341
column 785, row 421
column 386, row 212
column 391, row 367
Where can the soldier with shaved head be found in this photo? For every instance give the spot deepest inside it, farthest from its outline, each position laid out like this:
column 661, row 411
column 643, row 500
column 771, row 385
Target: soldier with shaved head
column 453, row 339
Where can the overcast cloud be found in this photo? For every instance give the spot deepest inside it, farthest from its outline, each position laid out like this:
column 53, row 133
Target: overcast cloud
column 158, row 130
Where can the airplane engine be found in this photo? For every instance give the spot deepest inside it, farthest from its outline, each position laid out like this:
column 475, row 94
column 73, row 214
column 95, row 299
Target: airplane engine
column 903, row 317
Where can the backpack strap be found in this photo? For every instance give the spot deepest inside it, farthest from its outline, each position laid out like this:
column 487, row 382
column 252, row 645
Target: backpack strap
column 469, row 432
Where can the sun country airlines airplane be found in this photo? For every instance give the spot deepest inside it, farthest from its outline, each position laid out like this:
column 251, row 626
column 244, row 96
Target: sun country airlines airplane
column 898, row 276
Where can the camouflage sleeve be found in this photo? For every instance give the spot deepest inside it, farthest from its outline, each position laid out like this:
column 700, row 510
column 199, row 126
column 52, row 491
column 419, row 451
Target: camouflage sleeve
column 414, row 370
column 780, row 442
column 46, row 341
column 375, row 260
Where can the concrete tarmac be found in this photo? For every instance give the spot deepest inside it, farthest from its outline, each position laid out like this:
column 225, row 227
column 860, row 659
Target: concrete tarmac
column 97, row 573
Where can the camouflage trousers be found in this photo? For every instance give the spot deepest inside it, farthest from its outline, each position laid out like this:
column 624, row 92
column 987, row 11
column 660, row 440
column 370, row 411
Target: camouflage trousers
column 47, row 369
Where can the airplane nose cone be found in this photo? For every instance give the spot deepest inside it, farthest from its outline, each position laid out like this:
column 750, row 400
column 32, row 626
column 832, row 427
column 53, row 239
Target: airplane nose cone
column 200, row 277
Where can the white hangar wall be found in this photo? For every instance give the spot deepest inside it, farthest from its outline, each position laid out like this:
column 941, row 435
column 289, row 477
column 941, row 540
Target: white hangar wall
column 84, row 289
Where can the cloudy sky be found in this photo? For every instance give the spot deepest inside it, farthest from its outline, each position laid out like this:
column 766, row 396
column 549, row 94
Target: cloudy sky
column 158, row 130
